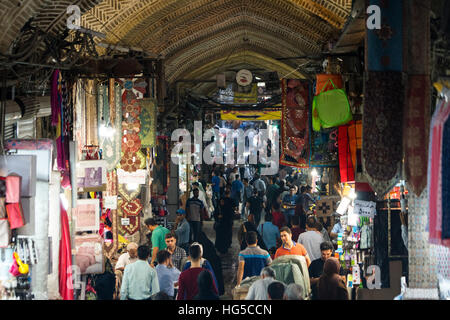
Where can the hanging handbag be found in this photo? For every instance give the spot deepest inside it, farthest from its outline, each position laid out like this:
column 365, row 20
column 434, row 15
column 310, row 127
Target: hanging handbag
column 330, row 108
column 5, row 233
column 13, row 188
column 324, row 80
column 15, row 215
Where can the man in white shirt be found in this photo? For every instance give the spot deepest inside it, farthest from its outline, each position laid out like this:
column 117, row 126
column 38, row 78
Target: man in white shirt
column 311, row 239
column 259, row 185
column 128, row 257
column 258, row 290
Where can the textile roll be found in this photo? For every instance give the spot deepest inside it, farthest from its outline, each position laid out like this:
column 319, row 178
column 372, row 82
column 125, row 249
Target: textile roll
column 345, row 159
column 416, row 132
column 385, row 46
column 2, row 208
column 295, row 149
column 382, row 123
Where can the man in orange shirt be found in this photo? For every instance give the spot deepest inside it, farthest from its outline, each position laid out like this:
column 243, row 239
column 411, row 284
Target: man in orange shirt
column 290, row 247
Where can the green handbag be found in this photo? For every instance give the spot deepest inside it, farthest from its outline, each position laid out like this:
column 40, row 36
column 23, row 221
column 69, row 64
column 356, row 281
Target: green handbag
column 330, row 108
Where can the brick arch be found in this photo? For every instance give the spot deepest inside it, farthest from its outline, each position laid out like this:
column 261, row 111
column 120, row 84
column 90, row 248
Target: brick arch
column 233, row 37
column 159, row 13
column 177, row 23
column 206, row 65
column 50, row 16
column 228, row 21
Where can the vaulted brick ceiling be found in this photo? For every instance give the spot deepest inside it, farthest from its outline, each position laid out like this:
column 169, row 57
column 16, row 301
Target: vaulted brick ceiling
column 194, row 35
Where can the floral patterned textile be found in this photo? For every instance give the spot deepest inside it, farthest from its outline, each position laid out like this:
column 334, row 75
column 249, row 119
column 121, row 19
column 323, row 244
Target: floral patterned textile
column 295, row 149
column 382, row 120
column 134, row 221
column 131, row 208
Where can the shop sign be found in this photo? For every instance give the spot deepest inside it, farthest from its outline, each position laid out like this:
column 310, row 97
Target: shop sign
column 365, row 208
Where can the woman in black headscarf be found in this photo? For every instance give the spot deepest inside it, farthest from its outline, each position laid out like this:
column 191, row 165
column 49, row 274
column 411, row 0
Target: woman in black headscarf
column 331, row 286
column 205, row 287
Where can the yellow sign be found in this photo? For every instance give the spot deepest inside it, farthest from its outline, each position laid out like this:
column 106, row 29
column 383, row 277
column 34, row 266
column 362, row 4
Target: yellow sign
column 251, row 115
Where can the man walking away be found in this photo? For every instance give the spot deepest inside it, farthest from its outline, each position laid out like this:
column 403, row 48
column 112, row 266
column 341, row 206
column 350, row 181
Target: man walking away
column 252, row 259
column 194, row 207
column 140, row 281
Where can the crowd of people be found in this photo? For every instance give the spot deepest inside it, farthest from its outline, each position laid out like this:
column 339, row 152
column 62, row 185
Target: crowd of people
column 276, row 220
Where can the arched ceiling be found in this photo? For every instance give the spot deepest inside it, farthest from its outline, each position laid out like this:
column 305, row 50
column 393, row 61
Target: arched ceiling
column 193, row 35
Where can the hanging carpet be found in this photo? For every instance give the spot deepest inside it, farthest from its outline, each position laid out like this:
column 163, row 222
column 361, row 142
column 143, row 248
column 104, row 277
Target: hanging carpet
column 382, row 134
column 295, row 150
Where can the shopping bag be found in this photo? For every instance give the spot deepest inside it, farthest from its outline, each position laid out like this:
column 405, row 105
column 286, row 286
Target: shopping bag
column 15, row 215
column 323, row 82
column 330, row 108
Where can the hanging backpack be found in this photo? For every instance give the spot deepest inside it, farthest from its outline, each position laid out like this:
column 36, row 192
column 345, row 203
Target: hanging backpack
column 330, row 108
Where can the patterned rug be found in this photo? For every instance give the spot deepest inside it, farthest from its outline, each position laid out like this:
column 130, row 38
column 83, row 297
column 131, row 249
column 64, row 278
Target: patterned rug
column 382, row 134
column 295, row 128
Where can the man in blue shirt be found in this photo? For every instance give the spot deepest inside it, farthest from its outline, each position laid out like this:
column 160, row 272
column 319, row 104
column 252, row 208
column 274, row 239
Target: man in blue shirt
column 182, row 229
column 167, row 273
column 289, row 203
column 252, row 259
column 140, row 281
column 237, row 189
column 269, row 232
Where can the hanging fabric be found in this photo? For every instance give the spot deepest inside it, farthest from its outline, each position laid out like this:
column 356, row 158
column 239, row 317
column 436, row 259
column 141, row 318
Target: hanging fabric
column 436, row 165
column 345, row 160
column 416, row 128
column 65, row 259
column 382, row 124
column 295, row 149
column 385, row 45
